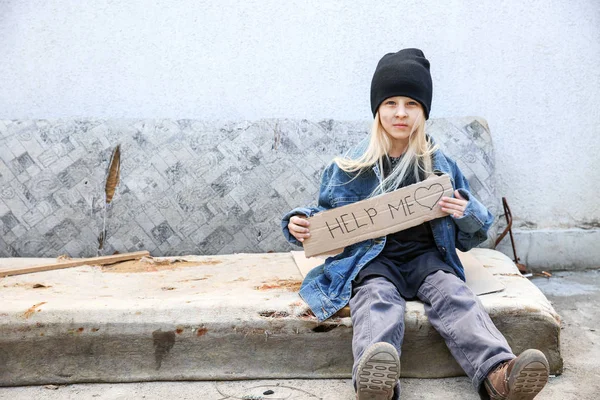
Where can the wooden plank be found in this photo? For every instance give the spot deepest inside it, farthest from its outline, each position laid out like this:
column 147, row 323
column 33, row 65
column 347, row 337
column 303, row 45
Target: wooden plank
column 76, row 263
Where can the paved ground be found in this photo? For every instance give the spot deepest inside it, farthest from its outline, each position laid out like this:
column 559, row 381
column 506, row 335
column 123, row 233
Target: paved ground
column 575, row 295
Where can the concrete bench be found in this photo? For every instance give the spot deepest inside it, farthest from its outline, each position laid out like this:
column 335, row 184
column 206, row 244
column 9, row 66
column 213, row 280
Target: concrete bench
column 189, row 187
column 219, row 317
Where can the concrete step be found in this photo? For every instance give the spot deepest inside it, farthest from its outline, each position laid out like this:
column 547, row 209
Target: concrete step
column 306, row 389
column 219, row 318
column 460, row 388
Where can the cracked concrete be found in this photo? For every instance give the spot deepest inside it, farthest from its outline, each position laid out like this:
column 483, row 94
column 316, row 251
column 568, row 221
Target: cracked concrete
column 574, row 295
column 231, row 317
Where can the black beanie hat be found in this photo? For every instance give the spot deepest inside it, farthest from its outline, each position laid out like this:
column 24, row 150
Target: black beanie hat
column 405, row 73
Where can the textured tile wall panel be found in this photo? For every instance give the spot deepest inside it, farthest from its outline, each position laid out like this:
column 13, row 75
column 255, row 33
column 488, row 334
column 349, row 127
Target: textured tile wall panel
column 187, row 186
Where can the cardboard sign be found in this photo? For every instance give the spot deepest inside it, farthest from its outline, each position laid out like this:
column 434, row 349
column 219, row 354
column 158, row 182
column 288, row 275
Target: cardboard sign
column 479, row 279
column 378, row 216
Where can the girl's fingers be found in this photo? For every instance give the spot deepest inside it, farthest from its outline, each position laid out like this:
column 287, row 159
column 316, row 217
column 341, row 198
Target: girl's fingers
column 452, row 211
column 452, row 206
column 301, row 236
column 453, row 200
column 300, row 221
column 297, row 228
column 299, row 232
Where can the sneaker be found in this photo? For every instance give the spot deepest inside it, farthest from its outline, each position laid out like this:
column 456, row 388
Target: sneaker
column 521, row 378
column 378, row 372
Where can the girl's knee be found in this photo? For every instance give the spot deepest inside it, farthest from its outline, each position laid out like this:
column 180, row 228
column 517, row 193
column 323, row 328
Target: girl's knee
column 377, row 292
column 443, row 287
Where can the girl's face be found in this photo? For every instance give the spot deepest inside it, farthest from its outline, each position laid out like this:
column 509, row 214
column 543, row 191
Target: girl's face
column 398, row 115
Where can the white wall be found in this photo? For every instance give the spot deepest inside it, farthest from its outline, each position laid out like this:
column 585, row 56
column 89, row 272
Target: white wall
column 530, row 68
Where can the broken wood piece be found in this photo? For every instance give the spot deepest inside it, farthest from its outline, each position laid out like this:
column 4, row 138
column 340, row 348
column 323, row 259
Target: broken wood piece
column 104, row 260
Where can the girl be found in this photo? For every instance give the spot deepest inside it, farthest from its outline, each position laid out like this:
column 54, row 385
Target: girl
column 377, row 276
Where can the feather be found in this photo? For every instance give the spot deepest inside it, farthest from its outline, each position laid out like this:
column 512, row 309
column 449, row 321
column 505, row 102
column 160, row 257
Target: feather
column 112, row 177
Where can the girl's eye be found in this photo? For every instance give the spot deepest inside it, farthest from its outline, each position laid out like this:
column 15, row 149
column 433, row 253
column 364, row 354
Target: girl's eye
column 390, row 102
column 412, row 103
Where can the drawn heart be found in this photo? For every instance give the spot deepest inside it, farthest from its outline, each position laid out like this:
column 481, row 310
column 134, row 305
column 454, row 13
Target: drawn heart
column 429, row 197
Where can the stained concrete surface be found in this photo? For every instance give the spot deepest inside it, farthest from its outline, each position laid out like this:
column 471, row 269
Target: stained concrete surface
column 575, row 296
column 229, row 317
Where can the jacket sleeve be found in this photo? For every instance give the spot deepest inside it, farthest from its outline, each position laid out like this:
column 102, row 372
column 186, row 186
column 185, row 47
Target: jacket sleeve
column 324, row 203
column 476, row 220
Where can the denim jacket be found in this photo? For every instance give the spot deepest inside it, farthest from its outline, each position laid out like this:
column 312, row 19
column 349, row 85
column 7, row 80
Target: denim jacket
column 328, row 287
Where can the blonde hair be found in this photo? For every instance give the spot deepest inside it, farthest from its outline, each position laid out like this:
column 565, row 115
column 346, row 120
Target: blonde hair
column 417, row 156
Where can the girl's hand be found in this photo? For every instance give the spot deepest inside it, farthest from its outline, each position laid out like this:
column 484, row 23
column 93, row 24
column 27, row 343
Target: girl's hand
column 298, row 227
column 454, row 206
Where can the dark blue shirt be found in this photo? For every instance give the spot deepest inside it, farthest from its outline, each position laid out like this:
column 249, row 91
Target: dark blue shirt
column 409, row 255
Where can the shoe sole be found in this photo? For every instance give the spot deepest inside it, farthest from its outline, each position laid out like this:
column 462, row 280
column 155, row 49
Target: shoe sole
column 378, row 371
column 528, row 376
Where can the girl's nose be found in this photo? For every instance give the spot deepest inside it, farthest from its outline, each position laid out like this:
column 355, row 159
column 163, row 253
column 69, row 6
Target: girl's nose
column 401, row 112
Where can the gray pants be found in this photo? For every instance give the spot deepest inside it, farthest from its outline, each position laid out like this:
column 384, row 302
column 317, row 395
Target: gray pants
column 377, row 312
